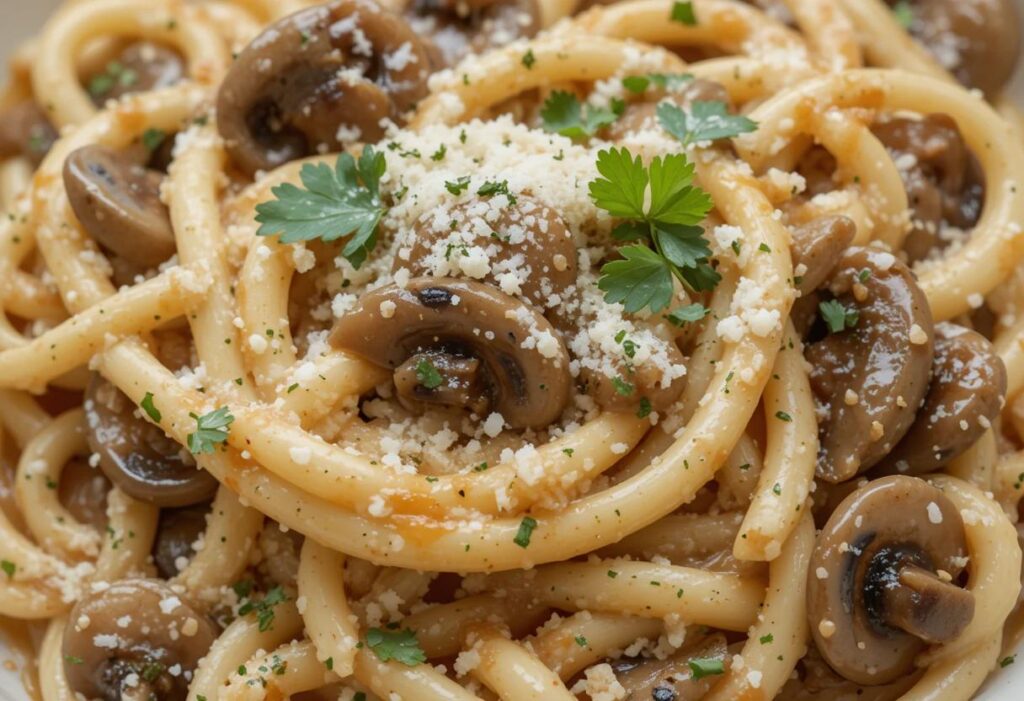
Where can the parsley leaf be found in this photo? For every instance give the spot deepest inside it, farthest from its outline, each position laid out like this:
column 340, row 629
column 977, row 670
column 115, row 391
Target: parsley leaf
column 9, row 568
column 493, row 187
column 113, row 75
column 706, row 667
column 563, row 114
column 264, row 608
column 211, row 428
column 458, row 186
column 765, row 639
column 525, row 532
column 837, row 317
column 152, row 139
column 331, row 204
column 670, row 225
column 398, row 645
column 682, row 12
column 428, row 375
column 903, row 12
column 706, row 121
column 665, row 81
column 688, row 314
column 150, row 408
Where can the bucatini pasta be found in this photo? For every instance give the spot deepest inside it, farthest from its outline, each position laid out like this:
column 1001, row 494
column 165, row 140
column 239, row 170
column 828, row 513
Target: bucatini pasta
column 512, row 349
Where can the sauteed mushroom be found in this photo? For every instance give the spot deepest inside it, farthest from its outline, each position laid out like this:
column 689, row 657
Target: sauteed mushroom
column 642, row 115
column 869, row 380
column 818, row 246
column 674, row 678
column 177, row 531
column 882, row 579
column 459, row 27
column 348, row 64
column 137, row 456
column 26, row 131
column 118, row 204
column 941, row 177
column 966, row 393
column 136, row 639
column 977, row 40
column 526, row 245
column 140, row 67
column 83, row 492
column 408, row 329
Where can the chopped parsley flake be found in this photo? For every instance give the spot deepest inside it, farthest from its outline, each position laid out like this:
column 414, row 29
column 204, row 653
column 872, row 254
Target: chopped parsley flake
column 212, row 428
column 837, row 317
column 150, row 409
column 398, row 645
column 706, row 667
column 428, row 375
column 525, row 532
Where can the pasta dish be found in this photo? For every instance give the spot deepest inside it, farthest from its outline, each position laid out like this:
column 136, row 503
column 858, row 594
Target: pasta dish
column 454, row 350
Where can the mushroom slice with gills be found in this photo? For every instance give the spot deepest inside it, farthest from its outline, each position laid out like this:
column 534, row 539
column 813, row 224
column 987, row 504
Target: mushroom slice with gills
column 966, row 393
column 140, row 67
column 818, row 246
column 869, row 380
column 639, row 116
column 137, row 456
column 940, row 175
column 176, row 533
column 118, row 203
column 459, row 27
column 882, row 579
column 464, row 320
column 142, row 641
column 978, row 41
column 348, row 64
column 26, row 131
column 82, row 490
column 675, row 678
column 527, row 249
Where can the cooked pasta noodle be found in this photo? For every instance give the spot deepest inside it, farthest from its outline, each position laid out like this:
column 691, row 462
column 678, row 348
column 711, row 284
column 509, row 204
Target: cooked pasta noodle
column 512, row 349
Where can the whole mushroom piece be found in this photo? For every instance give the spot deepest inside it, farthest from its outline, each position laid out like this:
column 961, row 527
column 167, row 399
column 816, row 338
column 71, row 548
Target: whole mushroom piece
column 460, row 343
column 965, row 395
column 176, row 533
column 141, row 66
column 136, row 639
column 460, row 27
column 26, row 130
column 882, row 579
column 348, row 64
column 137, row 456
column 869, row 380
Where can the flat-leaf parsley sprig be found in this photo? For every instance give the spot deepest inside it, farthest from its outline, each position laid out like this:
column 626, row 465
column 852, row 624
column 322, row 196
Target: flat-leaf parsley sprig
column 706, row 121
column 668, row 239
column 562, row 113
column 343, row 201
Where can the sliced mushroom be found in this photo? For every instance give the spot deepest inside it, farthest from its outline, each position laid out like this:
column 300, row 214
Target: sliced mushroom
column 636, row 388
column 83, row 492
column 524, row 248
column 977, row 40
column 816, row 681
column 137, row 456
column 136, row 639
column 942, row 179
column 458, row 27
column 26, row 131
column 118, row 204
column 966, row 393
column 818, row 247
column 869, row 380
column 882, row 579
column 176, row 534
column 639, row 116
column 464, row 320
column 348, row 64
column 141, row 66
column 674, row 678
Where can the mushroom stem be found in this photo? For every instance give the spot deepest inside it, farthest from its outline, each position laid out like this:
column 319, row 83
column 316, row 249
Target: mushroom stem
column 925, row 606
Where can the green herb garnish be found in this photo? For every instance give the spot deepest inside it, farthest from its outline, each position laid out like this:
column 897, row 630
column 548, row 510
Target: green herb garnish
column 211, row 428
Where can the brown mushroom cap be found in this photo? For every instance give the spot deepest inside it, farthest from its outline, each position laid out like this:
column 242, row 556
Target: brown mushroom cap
column 118, row 203
column 642, row 114
column 465, row 320
column 457, row 28
column 881, row 580
column 672, row 679
column 977, row 40
column 884, row 360
column 818, row 246
column 141, row 66
column 83, row 492
column 943, row 184
column 965, row 395
column 176, row 532
column 137, row 456
column 525, row 237
column 348, row 63
column 25, row 130
column 135, row 639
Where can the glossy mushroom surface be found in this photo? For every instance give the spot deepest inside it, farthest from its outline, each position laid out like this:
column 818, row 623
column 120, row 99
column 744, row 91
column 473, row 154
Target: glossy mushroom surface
column 457, row 28
column 348, row 64
column 818, row 247
column 177, row 531
column 868, row 380
column 978, row 41
column 26, row 131
column 118, row 203
column 83, row 492
column 882, row 582
column 942, row 180
column 967, row 389
column 137, row 456
column 136, row 639
column 140, row 67
column 674, row 678
column 464, row 320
